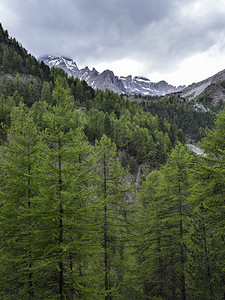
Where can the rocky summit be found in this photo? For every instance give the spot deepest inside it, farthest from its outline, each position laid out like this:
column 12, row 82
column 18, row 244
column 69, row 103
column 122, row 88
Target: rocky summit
column 108, row 80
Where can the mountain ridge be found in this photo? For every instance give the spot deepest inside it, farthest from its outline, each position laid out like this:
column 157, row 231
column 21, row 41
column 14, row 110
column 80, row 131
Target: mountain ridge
column 108, row 80
column 212, row 86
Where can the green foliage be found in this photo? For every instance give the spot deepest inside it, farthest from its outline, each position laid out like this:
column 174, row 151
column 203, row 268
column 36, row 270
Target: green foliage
column 149, row 139
column 138, row 133
column 65, row 201
column 71, row 226
column 21, row 179
column 181, row 113
column 162, row 236
column 203, row 259
column 111, row 188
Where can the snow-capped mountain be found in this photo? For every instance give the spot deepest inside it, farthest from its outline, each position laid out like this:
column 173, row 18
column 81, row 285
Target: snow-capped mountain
column 64, row 63
column 144, row 86
column 107, row 79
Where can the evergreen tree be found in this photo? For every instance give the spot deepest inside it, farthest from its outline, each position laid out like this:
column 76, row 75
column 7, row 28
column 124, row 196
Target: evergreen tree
column 110, row 189
column 65, row 200
column 6, row 106
column 6, row 59
column 203, row 257
column 209, row 192
column 21, row 178
column 166, row 204
column 46, row 92
column 150, row 272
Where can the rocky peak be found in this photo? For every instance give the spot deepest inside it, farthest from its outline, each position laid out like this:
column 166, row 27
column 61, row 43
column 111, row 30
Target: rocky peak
column 61, row 62
column 127, row 78
column 108, row 80
column 108, row 73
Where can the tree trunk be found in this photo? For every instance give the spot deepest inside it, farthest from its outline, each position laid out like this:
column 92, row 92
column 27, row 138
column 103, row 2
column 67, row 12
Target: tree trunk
column 61, row 282
column 61, row 278
column 30, row 275
column 207, row 261
column 160, row 267
column 183, row 286
column 105, row 234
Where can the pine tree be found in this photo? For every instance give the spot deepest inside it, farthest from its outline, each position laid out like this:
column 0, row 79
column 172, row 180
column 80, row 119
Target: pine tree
column 166, row 204
column 46, row 92
column 110, row 190
column 21, row 178
column 203, row 259
column 150, row 272
column 66, row 198
column 6, row 59
column 209, row 192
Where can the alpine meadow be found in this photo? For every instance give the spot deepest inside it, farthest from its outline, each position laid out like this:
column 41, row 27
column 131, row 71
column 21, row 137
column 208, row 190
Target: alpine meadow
column 100, row 195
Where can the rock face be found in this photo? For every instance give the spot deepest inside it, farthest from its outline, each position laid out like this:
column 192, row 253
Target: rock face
column 64, row 63
column 107, row 79
column 211, row 85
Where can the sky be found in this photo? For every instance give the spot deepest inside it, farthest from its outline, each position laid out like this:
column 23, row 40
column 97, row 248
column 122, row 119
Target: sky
column 179, row 41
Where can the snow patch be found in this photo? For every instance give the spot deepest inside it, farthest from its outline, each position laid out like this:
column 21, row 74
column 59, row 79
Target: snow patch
column 144, row 88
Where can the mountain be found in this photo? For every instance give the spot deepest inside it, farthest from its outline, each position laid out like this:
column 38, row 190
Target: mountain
column 107, row 79
column 142, row 85
column 68, row 65
column 213, row 87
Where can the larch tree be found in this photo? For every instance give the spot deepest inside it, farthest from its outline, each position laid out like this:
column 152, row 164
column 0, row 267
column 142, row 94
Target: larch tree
column 209, row 193
column 66, row 196
column 21, row 179
column 110, row 191
column 149, row 271
column 166, row 203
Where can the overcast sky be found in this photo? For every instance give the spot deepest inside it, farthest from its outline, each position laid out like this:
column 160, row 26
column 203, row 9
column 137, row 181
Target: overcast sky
column 180, row 41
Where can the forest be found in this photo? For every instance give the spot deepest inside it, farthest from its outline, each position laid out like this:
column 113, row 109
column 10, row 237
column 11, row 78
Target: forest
column 100, row 196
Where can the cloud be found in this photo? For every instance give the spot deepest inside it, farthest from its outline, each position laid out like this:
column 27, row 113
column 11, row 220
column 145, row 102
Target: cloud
column 84, row 25
column 153, row 35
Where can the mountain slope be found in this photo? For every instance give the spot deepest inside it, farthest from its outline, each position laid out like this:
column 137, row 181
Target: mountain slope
column 213, row 86
column 107, row 79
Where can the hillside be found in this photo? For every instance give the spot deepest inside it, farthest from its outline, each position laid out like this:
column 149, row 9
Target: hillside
column 193, row 109
column 100, row 197
column 212, row 86
column 139, row 135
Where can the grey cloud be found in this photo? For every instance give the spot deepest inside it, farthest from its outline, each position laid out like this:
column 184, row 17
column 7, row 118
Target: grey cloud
column 174, row 39
column 87, row 22
column 150, row 31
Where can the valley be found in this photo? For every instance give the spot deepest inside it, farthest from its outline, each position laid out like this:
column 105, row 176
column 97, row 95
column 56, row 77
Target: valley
column 101, row 196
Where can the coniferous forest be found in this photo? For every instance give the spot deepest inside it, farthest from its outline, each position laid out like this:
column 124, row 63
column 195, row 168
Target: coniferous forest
column 100, row 197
